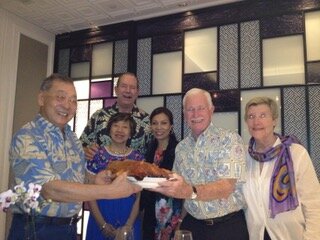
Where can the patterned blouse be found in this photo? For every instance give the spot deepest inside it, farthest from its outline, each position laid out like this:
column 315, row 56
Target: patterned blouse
column 95, row 131
column 216, row 154
column 40, row 153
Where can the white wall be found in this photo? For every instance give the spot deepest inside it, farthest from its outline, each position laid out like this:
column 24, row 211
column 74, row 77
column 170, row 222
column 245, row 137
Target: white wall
column 11, row 27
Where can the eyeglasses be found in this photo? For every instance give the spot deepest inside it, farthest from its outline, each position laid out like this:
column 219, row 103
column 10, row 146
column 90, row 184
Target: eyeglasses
column 62, row 98
column 197, row 109
column 261, row 116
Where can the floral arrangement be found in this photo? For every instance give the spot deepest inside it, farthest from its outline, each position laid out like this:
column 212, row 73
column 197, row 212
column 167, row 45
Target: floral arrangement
column 27, row 198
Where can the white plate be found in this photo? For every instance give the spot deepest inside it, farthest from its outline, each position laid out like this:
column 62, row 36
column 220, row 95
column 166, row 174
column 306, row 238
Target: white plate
column 147, row 182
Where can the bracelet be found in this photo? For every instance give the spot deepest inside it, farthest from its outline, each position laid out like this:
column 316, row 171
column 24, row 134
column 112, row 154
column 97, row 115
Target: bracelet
column 103, row 226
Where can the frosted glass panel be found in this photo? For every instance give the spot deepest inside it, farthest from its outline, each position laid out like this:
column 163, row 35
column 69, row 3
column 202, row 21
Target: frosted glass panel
column 80, row 70
column 95, row 105
column 227, row 120
column 313, row 35
column 200, row 50
column 150, row 103
column 166, row 73
column 283, row 61
column 102, row 59
column 82, row 88
column 81, row 117
column 246, row 96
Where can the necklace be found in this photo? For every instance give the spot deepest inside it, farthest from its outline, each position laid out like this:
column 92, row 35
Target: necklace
column 120, row 152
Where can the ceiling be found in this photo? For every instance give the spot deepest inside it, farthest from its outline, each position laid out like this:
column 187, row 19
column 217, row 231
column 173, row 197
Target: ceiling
column 60, row 16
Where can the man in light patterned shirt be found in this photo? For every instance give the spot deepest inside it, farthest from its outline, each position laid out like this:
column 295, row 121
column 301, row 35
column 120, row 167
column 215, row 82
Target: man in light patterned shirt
column 45, row 151
column 210, row 172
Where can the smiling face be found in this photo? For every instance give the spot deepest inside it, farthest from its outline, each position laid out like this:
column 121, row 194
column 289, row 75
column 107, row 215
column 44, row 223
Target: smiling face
column 59, row 103
column 198, row 113
column 127, row 91
column 161, row 127
column 120, row 132
column 261, row 124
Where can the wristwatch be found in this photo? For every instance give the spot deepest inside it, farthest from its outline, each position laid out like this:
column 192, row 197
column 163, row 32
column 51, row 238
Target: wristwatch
column 194, row 194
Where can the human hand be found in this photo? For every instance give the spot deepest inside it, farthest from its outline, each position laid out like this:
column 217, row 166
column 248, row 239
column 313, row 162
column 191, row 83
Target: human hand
column 104, row 177
column 124, row 233
column 175, row 187
column 90, row 151
column 122, row 187
column 109, row 231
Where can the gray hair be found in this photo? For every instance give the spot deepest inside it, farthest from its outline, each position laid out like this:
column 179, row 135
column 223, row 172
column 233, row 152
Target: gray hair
column 195, row 91
column 263, row 100
column 47, row 82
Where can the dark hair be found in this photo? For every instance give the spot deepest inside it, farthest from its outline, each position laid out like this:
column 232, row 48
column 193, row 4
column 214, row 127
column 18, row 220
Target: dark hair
column 126, row 117
column 163, row 110
column 127, row 74
column 47, row 83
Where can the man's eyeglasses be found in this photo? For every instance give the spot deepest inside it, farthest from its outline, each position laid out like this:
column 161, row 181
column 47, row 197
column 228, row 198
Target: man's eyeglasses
column 61, row 98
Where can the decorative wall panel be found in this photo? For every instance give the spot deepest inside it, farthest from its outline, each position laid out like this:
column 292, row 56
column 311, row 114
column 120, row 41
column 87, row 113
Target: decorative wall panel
column 81, row 54
column 228, row 57
column 121, row 56
column 186, row 129
column 81, row 117
column 226, row 101
column 314, row 119
column 207, row 81
column 286, row 24
column 63, row 61
column 167, row 43
column 250, row 55
column 174, row 104
column 294, row 113
column 313, row 72
column 144, row 65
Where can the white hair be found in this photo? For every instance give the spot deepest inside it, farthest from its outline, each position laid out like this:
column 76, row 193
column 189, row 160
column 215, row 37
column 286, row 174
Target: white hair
column 196, row 91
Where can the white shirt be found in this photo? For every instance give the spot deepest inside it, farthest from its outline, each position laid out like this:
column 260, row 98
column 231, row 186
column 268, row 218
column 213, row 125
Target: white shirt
column 303, row 223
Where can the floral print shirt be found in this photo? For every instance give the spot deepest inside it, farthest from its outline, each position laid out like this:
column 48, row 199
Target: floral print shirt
column 216, row 154
column 40, row 153
column 95, row 131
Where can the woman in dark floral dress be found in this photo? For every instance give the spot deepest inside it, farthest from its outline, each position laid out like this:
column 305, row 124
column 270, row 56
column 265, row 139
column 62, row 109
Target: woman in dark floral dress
column 161, row 213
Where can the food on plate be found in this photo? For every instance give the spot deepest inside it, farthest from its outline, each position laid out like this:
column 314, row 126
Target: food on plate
column 138, row 169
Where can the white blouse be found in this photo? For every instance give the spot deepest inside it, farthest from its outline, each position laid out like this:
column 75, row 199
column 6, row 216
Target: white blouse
column 303, row 223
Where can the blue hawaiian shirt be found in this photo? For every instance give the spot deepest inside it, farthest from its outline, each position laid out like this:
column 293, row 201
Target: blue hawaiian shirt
column 40, row 153
column 216, row 154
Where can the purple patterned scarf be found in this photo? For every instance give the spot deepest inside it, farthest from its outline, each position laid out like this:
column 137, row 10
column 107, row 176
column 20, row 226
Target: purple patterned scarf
column 283, row 195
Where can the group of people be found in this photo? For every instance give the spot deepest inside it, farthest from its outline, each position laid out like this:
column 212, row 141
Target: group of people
column 219, row 188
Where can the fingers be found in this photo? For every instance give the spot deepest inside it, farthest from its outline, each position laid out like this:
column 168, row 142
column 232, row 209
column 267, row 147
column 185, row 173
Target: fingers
column 90, row 151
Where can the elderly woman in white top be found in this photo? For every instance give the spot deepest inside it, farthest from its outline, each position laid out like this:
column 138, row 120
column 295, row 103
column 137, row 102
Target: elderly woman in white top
column 282, row 190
